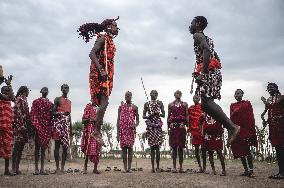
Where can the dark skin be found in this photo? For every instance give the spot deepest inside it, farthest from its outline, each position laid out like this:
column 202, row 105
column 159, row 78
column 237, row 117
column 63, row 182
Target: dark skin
column 155, row 150
column 177, row 151
column 208, row 104
column 86, row 121
column 272, row 92
column 211, row 154
column 247, row 160
column 39, row 151
column 196, row 100
column 7, row 94
column 99, row 45
column 18, row 149
column 127, row 152
column 65, row 91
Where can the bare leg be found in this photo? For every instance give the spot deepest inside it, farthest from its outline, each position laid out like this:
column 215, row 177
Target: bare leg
column 21, row 148
column 64, row 157
column 180, row 156
column 36, row 154
column 130, row 156
column 42, row 158
column 56, row 154
column 158, row 157
column 216, row 112
column 174, row 156
column 222, row 160
column 95, row 171
column 244, row 162
column 100, row 113
column 85, row 165
column 198, row 157
column 14, row 156
column 7, row 172
column 124, row 158
column 211, row 159
column 152, row 148
column 250, row 163
column 203, row 153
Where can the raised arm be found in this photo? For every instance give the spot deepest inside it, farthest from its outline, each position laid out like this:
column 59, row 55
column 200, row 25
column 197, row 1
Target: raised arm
column 200, row 39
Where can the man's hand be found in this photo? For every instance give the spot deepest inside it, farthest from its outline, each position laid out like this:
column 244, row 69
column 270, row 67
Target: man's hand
column 103, row 75
column 263, row 100
column 8, row 81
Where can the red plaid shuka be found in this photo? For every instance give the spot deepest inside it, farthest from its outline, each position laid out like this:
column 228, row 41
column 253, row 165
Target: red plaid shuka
column 89, row 145
column 21, row 120
column 195, row 112
column 127, row 129
column 98, row 86
column 41, row 119
column 6, row 130
column 242, row 115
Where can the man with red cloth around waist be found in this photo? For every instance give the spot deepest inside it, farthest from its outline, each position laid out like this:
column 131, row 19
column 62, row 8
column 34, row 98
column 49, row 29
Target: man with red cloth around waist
column 274, row 105
column 127, row 121
column 194, row 113
column 212, row 132
column 177, row 123
column 41, row 115
column 6, row 119
column 242, row 115
column 89, row 146
column 61, row 126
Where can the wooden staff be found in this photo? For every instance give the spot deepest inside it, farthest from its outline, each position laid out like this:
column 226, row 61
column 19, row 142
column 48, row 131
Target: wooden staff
column 192, row 82
column 106, row 67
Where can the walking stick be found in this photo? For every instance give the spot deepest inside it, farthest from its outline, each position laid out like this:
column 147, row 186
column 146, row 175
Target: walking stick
column 144, row 89
column 192, row 82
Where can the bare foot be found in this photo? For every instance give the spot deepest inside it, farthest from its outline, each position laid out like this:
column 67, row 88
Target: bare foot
column 233, row 135
column 223, row 173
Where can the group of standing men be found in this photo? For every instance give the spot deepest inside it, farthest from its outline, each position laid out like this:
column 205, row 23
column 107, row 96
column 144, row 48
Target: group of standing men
column 45, row 121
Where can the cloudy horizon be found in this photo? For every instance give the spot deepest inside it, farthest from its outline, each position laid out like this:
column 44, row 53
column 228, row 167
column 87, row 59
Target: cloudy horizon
column 40, row 47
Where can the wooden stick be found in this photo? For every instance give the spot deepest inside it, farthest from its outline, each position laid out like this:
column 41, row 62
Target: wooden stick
column 192, row 82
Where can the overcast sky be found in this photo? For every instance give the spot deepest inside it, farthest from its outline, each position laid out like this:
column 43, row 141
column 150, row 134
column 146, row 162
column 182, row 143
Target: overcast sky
column 40, row 47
